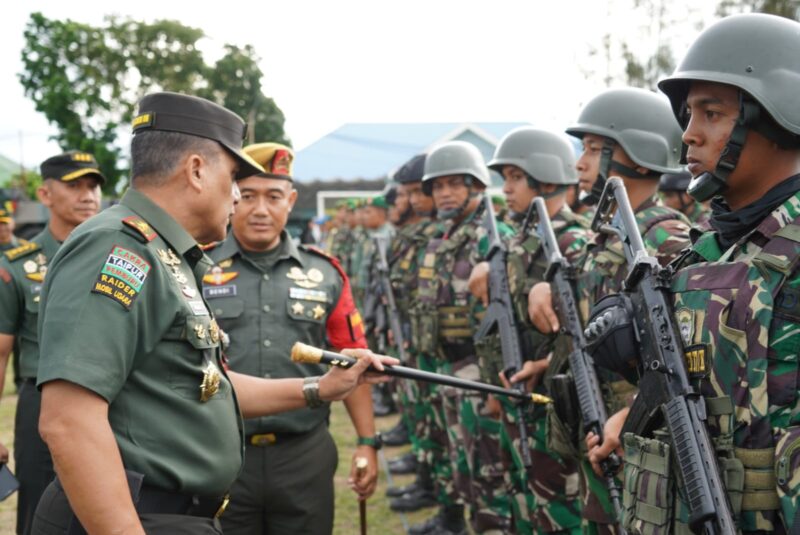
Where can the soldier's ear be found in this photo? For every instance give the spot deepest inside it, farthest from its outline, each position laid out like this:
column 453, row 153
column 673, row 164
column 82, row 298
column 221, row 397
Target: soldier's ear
column 191, row 171
column 292, row 198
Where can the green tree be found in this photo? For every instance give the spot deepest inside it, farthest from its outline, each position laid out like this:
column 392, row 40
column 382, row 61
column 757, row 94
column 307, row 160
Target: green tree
column 784, row 8
column 87, row 80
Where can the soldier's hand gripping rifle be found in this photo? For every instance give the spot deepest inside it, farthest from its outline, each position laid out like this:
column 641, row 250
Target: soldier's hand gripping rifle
column 561, row 276
column 500, row 319
column 666, row 395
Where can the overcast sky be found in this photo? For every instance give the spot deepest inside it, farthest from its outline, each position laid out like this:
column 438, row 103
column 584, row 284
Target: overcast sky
column 327, row 62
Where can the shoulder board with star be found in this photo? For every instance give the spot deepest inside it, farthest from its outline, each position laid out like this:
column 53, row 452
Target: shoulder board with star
column 143, row 231
column 22, row 251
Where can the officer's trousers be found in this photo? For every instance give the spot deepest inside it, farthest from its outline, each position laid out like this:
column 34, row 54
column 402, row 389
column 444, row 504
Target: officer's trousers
column 54, row 517
column 285, row 488
column 34, row 465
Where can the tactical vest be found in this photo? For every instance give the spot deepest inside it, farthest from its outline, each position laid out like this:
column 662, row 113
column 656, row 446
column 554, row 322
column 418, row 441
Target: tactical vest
column 725, row 311
column 447, row 312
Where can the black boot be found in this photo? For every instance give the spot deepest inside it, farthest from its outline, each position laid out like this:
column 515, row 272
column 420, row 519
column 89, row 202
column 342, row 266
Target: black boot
column 453, row 522
column 423, row 482
column 405, row 464
column 397, row 435
column 428, row 526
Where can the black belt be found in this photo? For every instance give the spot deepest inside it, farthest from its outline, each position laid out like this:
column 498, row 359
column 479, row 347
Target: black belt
column 160, row 502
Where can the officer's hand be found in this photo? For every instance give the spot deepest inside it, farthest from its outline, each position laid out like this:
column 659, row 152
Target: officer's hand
column 530, row 374
column 611, row 442
column 339, row 382
column 540, row 309
column 479, row 282
column 364, row 485
column 3, row 454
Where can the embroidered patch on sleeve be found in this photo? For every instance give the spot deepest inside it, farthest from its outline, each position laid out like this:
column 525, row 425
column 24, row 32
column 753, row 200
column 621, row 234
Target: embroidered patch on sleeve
column 122, row 276
column 356, row 325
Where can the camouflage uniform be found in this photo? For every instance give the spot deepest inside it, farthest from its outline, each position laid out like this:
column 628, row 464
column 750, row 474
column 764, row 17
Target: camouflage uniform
column 739, row 308
column 403, row 262
column 476, row 476
column 698, row 215
column 550, row 485
column 665, row 234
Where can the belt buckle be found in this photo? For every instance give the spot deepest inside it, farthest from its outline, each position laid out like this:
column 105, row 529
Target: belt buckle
column 224, row 505
column 264, row 439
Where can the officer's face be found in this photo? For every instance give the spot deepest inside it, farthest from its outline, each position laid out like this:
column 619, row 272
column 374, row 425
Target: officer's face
column 588, row 165
column 712, row 112
column 516, row 189
column 220, row 194
column 374, row 217
column 420, row 203
column 262, row 213
column 6, row 232
column 71, row 203
column 449, row 192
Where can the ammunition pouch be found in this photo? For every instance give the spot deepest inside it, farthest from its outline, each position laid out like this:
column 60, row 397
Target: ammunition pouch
column 649, row 485
column 454, row 323
column 425, row 329
column 490, row 358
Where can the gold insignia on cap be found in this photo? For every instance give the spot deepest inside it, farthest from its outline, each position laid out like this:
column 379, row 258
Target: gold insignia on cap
column 318, row 312
column 315, row 275
column 210, row 384
column 142, row 120
column 82, row 157
column 298, row 308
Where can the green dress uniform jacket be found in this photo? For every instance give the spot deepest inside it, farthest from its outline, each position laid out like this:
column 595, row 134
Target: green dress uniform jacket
column 124, row 317
column 264, row 311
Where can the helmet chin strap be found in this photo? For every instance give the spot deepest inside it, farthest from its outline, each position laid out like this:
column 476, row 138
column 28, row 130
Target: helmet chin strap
column 708, row 184
column 593, row 197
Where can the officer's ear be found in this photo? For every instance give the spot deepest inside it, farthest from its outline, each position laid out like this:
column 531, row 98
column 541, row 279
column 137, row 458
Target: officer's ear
column 192, row 171
column 292, row 198
column 44, row 194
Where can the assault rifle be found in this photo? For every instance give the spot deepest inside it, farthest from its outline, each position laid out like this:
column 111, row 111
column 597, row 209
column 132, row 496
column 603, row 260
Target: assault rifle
column 388, row 313
column 561, row 276
column 499, row 316
column 666, row 395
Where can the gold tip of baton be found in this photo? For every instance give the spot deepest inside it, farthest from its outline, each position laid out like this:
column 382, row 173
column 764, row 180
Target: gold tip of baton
column 541, row 399
column 305, row 353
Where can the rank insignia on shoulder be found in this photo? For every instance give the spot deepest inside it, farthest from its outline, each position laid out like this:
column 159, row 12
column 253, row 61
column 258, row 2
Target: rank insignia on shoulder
column 218, row 277
column 141, row 226
column 23, row 250
column 696, row 360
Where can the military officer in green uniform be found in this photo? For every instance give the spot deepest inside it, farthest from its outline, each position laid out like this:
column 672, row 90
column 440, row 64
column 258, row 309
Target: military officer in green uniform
column 735, row 292
column 138, row 410
column 71, row 193
column 266, row 294
column 7, row 238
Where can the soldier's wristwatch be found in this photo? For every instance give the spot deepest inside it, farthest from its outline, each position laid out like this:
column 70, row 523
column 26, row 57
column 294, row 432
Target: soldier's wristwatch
column 311, row 392
column 375, row 442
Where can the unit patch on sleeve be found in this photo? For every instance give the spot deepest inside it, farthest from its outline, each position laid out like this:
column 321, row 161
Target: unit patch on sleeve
column 122, row 276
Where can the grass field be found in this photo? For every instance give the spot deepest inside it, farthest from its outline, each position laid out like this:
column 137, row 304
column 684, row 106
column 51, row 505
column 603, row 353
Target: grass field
column 380, row 518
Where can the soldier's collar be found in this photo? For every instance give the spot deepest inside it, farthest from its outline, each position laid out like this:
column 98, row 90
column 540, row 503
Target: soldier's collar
column 47, row 242
column 231, row 247
column 166, row 226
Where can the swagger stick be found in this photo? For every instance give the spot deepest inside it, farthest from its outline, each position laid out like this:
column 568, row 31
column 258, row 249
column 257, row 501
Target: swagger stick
column 313, row 355
column 361, row 468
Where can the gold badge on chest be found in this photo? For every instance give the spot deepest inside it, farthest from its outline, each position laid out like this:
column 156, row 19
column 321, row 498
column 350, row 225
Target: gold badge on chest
column 211, row 379
column 173, row 261
column 312, row 279
column 36, row 268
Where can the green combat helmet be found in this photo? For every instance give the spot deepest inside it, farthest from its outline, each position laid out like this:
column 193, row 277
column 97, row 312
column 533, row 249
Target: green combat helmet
column 639, row 121
column 546, row 157
column 758, row 54
column 455, row 158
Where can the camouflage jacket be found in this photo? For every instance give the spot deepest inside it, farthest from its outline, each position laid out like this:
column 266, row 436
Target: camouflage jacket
column 404, row 257
column 738, row 312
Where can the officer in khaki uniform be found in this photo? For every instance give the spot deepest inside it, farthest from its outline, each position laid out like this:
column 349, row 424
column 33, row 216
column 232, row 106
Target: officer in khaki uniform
column 71, row 192
column 138, row 409
column 268, row 294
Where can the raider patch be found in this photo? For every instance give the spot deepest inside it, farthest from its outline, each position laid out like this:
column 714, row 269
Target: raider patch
column 122, row 276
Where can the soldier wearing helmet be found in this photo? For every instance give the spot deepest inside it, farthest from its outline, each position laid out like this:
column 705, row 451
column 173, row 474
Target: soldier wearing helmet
column 456, row 178
column 672, row 187
column 534, row 163
column 629, row 133
column 735, row 290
